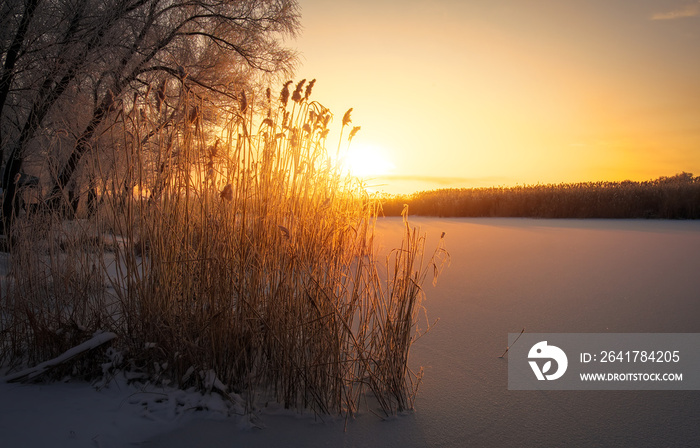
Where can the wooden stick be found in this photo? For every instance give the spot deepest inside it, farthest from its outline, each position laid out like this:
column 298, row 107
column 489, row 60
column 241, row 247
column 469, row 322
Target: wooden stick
column 516, row 340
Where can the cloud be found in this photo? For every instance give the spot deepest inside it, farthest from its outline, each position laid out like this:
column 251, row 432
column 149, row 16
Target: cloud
column 691, row 10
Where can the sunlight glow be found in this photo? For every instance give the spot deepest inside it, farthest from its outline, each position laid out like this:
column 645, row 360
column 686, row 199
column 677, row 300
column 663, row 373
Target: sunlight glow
column 497, row 101
column 366, row 161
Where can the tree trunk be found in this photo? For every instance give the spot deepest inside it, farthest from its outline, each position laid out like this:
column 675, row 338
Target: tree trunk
column 10, row 203
column 11, row 59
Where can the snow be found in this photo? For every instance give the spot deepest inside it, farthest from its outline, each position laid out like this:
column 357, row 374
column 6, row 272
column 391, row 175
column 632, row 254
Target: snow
column 569, row 276
column 119, row 415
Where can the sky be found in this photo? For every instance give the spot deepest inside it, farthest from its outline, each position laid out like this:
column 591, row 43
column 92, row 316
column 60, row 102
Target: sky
column 479, row 93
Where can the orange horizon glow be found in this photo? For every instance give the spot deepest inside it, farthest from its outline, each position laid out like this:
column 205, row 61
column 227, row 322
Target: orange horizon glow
column 473, row 94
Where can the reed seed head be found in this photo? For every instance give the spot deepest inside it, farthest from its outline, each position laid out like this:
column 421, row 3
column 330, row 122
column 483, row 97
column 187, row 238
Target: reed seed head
column 284, row 94
column 284, row 231
column 109, row 101
column 296, row 96
column 353, row 132
column 227, row 193
column 214, row 151
column 346, row 118
column 243, row 102
column 160, row 94
column 309, row 87
column 193, row 115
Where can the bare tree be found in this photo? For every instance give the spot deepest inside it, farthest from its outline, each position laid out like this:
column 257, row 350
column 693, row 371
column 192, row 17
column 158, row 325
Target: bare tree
column 98, row 57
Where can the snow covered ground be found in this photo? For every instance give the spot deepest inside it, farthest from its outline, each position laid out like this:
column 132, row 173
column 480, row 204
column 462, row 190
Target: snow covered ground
column 506, row 274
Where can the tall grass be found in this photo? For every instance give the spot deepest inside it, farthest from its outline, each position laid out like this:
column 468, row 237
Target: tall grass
column 237, row 252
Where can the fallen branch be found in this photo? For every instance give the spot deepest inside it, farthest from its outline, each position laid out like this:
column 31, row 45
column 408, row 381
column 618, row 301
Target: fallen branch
column 32, row 372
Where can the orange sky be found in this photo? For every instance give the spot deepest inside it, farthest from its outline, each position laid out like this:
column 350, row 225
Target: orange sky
column 481, row 93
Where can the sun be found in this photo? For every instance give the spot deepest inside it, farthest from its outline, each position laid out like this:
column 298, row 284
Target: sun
column 367, row 161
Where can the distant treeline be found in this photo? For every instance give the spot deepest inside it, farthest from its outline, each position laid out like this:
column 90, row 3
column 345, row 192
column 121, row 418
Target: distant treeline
column 676, row 197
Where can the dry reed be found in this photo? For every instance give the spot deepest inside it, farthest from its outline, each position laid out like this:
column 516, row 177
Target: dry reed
column 234, row 249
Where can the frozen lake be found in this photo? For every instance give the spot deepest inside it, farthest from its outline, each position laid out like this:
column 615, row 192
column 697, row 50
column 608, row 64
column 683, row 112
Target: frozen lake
column 566, row 276
column 547, row 276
